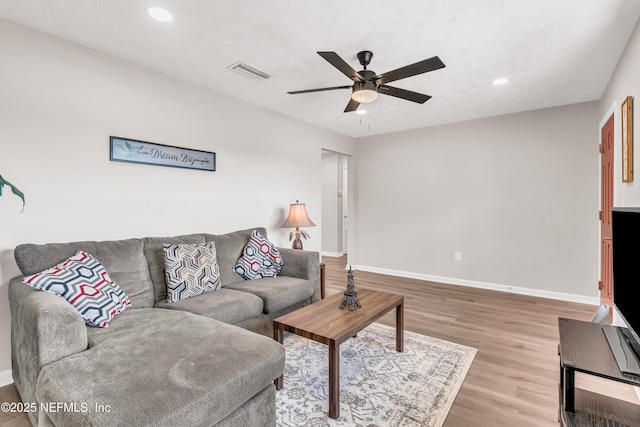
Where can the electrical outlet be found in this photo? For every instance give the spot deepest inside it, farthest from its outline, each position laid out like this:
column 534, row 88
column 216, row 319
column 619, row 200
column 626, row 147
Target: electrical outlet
column 457, row 256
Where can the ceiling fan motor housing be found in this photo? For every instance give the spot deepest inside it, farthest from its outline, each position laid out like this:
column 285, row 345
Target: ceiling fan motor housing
column 368, row 75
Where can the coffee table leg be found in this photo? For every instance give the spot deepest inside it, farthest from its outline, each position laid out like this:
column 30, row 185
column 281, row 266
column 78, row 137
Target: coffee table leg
column 400, row 327
column 334, row 380
column 277, row 335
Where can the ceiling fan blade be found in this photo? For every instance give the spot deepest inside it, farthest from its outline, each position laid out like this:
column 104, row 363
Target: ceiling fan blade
column 410, row 70
column 295, row 92
column 333, row 59
column 404, row 94
column 352, row 106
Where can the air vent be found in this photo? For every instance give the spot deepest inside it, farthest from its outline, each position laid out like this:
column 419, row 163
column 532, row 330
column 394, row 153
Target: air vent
column 248, row 71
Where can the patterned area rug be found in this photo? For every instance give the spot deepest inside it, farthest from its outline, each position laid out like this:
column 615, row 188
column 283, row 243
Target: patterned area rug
column 378, row 386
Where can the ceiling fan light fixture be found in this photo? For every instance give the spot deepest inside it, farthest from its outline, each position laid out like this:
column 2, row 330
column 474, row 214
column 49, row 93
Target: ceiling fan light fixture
column 364, row 92
column 364, row 96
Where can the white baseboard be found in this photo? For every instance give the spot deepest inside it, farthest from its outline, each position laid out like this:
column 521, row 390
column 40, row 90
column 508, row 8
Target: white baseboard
column 483, row 285
column 332, row 254
column 6, row 378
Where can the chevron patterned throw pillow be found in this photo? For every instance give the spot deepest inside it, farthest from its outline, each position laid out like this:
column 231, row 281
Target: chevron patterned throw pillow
column 260, row 258
column 190, row 270
column 86, row 285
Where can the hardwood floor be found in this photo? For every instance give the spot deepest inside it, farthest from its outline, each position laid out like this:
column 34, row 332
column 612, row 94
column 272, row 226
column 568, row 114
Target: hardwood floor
column 514, row 378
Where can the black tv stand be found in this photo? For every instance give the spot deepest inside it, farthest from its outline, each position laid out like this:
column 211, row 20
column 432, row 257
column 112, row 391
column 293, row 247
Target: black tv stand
column 584, row 348
column 624, row 348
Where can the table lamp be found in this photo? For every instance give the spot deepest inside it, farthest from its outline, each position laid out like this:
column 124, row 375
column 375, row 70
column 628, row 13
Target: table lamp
column 298, row 217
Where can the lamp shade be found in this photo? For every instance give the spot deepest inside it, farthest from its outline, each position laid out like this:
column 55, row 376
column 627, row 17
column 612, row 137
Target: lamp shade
column 298, row 216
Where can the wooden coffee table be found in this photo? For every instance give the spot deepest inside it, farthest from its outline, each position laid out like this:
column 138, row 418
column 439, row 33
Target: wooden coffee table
column 325, row 322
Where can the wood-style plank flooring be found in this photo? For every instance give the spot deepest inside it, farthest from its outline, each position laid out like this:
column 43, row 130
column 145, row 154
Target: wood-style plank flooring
column 514, row 378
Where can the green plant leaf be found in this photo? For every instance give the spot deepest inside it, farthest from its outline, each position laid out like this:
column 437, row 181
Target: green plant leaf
column 14, row 190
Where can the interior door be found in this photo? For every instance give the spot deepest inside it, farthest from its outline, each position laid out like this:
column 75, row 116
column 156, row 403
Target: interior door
column 606, row 204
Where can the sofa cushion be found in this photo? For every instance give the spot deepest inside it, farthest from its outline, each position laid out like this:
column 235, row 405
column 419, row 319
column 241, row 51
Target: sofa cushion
column 190, row 270
column 260, row 259
column 154, row 255
column 86, row 285
column 123, row 259
column 225, row 305
column 277, row 293
column 229, row 247
column 162, row 368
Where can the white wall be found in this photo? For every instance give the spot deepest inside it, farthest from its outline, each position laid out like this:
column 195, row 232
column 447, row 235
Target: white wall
column 60, row 102
column 516, row 194
column 625, row 82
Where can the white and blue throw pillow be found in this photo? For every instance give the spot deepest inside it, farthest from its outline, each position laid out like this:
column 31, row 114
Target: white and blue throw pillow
column 260, row 258
column 190, row 270
column 86, row 285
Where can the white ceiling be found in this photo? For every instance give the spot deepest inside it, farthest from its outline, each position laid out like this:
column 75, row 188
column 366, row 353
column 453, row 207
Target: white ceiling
column 554, row 52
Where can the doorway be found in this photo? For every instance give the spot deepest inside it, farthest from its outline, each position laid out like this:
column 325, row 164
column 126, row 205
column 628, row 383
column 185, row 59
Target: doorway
column 335, row 203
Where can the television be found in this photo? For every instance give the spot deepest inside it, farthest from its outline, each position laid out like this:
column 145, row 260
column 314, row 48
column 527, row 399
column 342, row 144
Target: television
column 625, row 342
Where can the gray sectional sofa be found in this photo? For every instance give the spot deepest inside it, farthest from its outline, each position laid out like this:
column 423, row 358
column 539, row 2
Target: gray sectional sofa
column 195, row 362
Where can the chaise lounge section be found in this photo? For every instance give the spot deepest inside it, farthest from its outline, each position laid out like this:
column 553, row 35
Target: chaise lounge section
column 202, row 361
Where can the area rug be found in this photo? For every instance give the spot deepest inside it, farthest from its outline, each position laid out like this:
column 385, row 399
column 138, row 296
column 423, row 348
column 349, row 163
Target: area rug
column 378, row 386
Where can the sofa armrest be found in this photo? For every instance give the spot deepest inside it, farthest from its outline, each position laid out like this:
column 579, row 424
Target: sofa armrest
column 304, row 265
column 44, row 328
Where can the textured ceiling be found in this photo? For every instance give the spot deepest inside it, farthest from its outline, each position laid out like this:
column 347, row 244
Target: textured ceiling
column 554, row 52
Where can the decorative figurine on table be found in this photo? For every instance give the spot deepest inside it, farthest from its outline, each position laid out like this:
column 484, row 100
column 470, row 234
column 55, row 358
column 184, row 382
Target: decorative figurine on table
column 350, row 299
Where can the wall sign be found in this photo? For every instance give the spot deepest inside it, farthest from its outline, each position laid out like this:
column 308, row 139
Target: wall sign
column 134, row 151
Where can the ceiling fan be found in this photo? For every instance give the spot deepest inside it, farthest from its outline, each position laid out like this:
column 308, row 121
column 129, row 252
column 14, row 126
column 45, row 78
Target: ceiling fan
column 367, row 85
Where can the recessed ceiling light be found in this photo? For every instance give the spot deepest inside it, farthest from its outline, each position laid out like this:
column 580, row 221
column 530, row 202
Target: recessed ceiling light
column 500, row 81
column 361, row 111
column 160, row 14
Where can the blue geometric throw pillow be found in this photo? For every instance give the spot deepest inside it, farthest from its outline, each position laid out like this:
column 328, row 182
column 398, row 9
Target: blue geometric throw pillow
column 260, row 258
column 86, row 285
column 190, row 270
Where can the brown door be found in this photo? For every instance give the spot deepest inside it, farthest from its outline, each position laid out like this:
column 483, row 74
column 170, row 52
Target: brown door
column 606, row 194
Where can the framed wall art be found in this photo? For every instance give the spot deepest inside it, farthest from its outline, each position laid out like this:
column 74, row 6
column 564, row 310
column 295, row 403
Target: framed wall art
column 627, row 139
column 150, row 153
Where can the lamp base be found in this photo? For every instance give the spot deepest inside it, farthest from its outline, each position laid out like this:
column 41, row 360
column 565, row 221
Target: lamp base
column 297, row 243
